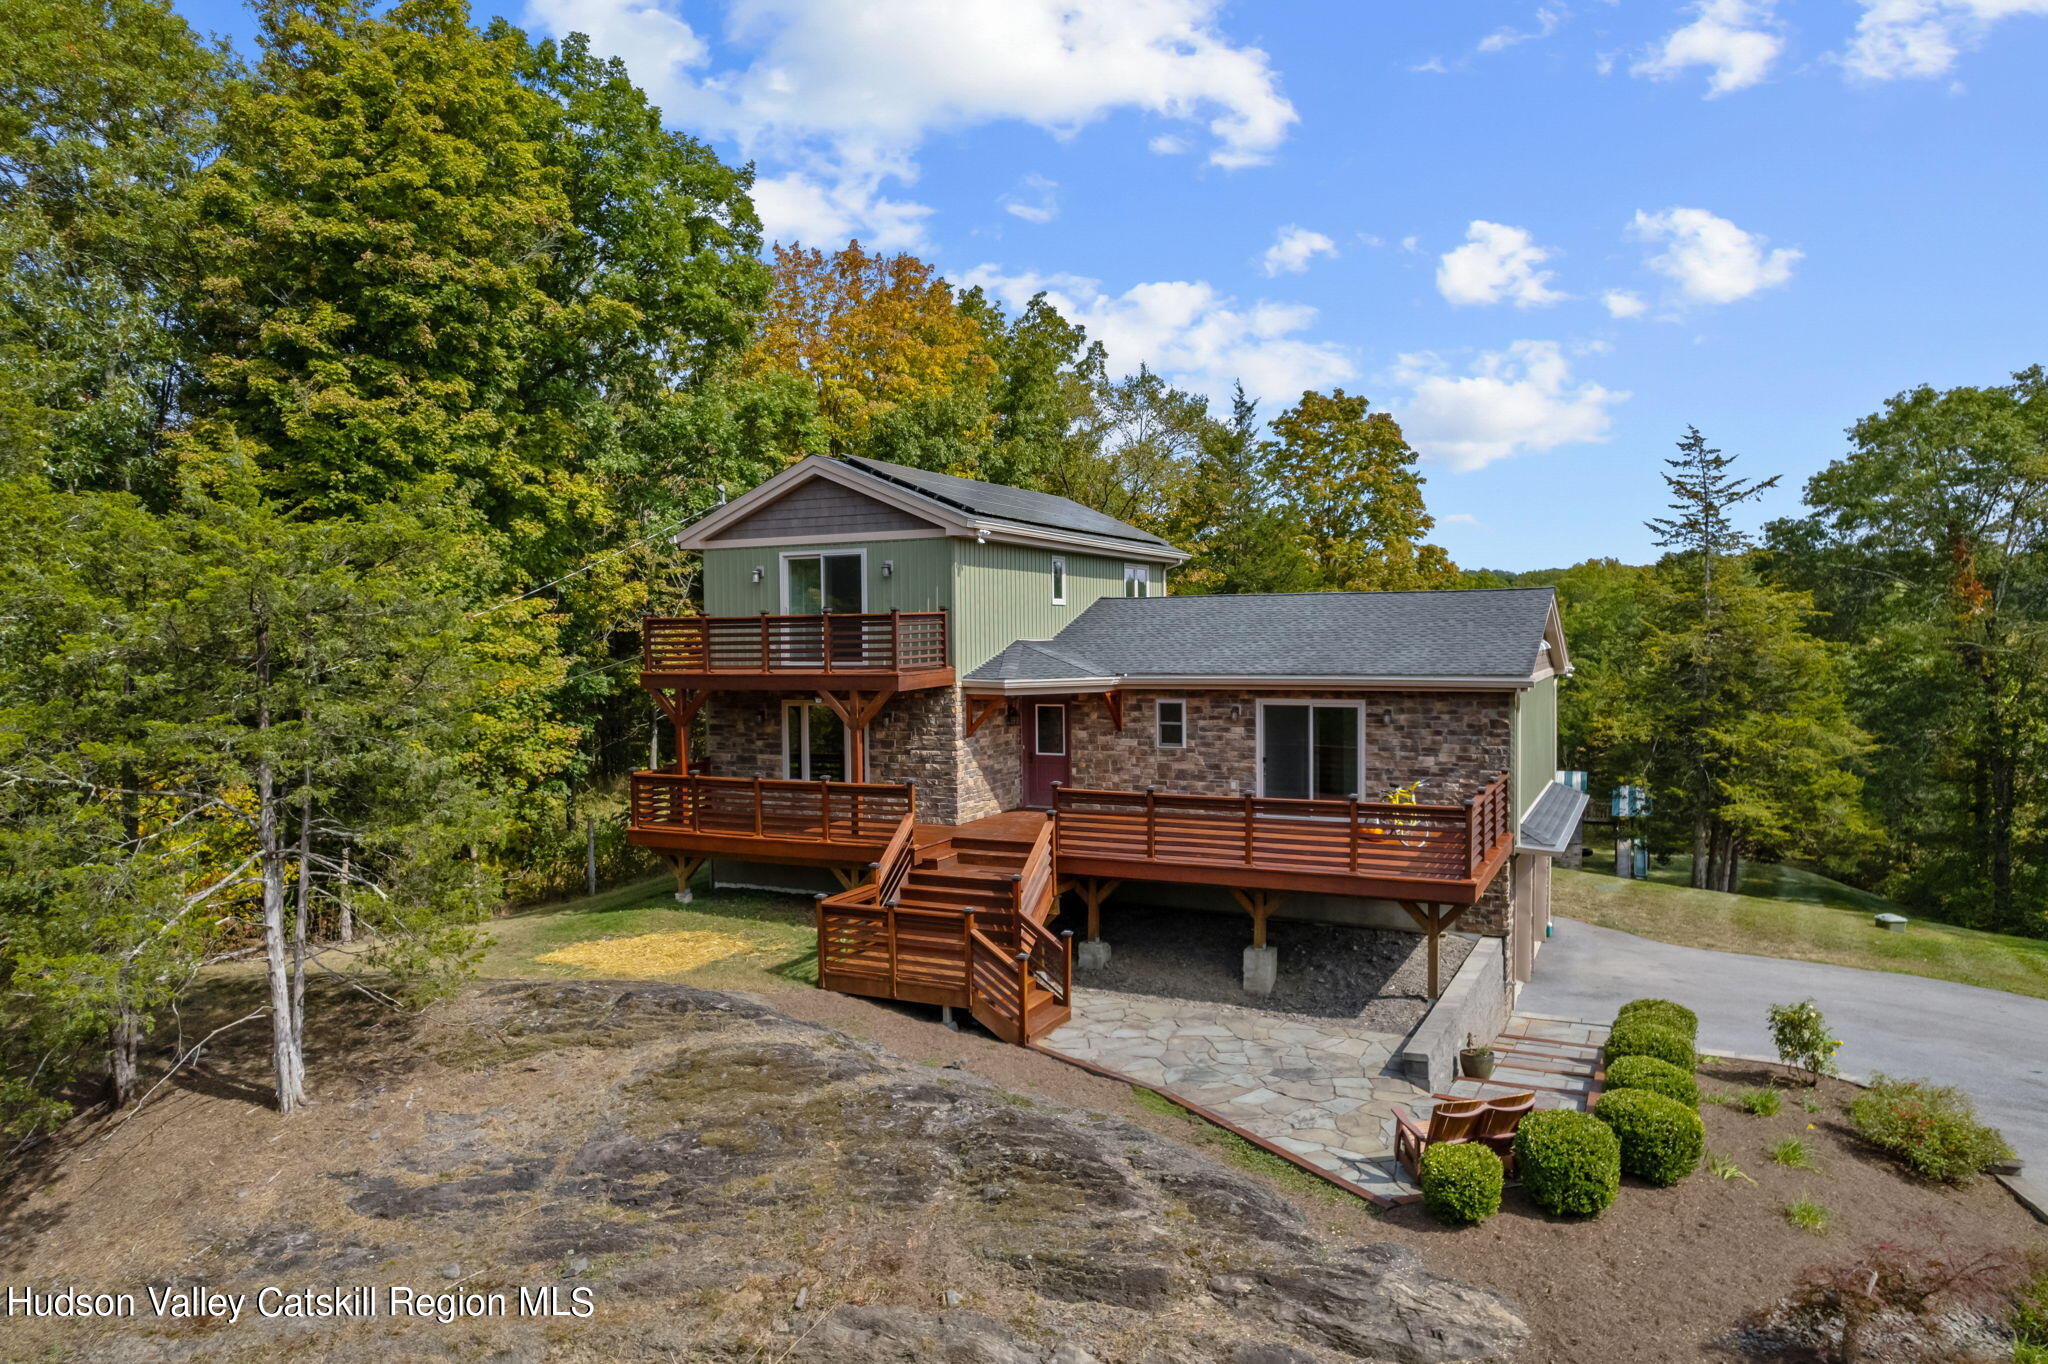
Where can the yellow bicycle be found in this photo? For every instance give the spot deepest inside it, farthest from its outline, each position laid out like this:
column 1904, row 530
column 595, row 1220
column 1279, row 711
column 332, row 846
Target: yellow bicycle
column 1410, row 832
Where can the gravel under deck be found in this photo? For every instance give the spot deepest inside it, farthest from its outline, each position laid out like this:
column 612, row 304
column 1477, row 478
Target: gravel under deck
column 1375, row 977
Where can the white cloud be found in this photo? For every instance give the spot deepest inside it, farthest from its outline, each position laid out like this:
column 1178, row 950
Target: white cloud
column 1736, row 40
column 1496, row 263
column 1623, row 303
column 1519, row 399
column 1711, row 259
column 1188, row 331
column 1434, row 66
column 1461, row 519
column 1166, row 144
column 1547, row 20
column 1292, row 249
column 1898, row 39
column 800, row 208
column 1043, row 207
column 844, row 94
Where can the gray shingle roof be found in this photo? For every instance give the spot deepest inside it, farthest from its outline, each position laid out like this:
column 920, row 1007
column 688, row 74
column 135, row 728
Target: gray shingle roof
column 1554, row 818
column 996, row 501
column 1034, row 658
column 1478, row 634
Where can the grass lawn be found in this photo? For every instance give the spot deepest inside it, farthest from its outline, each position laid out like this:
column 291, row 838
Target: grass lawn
column 722, row 940
column 1786, row 912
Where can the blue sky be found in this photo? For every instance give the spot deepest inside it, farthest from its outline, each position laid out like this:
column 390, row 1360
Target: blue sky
column 1546, row 236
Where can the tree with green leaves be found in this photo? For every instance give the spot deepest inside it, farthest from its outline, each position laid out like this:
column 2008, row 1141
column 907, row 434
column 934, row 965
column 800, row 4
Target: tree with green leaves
column 107, row 112
column 1736, row 709
column 1226, row 517
column 202, row 710
column 1347, row 478
column 1928, row 544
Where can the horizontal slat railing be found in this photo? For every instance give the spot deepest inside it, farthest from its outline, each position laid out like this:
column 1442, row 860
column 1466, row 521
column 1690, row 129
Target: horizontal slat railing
column 888, row 945
column 789, row 811
column 1330, row 837
column 865, row 642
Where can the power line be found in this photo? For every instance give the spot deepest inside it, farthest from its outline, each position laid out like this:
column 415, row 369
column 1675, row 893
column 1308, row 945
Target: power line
column 655, row 535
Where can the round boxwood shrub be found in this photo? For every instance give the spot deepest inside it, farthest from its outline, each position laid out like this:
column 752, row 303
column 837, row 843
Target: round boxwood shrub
column 1570, row 1162
column 1637, row 1037
column 1659, row 1077
column 1661, row 1139
column 1461, row 1182
column 1676, row 1017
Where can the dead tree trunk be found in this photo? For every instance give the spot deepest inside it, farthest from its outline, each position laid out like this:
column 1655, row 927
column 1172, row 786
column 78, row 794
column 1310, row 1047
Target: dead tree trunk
column 287, row 1065
column 348, row 914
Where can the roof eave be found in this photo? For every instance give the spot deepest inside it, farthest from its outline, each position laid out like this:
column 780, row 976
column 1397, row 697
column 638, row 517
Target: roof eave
column 1197, row 681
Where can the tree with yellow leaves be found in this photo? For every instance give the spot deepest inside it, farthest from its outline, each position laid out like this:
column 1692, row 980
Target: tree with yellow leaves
column 890, row 355
column 1347, row 475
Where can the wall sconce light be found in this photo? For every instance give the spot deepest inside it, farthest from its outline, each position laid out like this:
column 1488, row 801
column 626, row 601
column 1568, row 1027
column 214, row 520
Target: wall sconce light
column 759, row 573
column 1237, row 712
column 888, row 567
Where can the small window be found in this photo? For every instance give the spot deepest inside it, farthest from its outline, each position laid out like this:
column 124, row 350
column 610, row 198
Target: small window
column 1059, row 582
column 1137, row 580
column 1171, row 723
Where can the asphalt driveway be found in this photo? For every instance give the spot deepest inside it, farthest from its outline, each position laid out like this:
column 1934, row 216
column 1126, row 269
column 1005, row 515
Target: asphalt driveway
column 1989, row 1042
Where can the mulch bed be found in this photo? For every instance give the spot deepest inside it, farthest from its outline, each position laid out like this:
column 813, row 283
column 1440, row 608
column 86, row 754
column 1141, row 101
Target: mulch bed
column 1377, row 978
column 1669, row 1274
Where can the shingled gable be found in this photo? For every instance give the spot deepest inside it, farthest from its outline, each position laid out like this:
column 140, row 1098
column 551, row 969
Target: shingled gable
column 1507, row 637
column 874, row 499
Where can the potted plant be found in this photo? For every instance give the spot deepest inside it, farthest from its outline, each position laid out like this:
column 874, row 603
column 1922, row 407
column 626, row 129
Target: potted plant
column 1474, row 1061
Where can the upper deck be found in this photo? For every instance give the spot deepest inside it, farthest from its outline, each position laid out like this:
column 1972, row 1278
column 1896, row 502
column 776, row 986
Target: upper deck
column 874, row 650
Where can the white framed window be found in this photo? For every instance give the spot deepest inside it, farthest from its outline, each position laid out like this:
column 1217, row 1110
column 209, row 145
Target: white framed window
column 814, row 583
column 815, row 744
column 1311, row 750
column 1059, row 582
column 1137, row 580
column 1170, row 723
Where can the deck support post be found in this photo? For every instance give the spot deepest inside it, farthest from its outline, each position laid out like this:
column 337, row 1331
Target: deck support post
column 857, row 710
column 849, row 877
column 1261, row 962
column 680, row 705
column 685, row 867
column 1093, row 891
column 1433, row 920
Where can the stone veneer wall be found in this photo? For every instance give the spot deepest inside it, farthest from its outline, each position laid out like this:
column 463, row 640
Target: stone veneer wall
column 915, row 738
column 1457, row 741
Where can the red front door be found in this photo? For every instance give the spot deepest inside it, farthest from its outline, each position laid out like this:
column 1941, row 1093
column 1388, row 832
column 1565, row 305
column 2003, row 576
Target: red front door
column 1045, row 750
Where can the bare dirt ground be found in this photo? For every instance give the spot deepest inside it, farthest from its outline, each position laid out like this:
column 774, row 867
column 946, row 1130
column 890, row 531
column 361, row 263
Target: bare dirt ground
column 733, row 1186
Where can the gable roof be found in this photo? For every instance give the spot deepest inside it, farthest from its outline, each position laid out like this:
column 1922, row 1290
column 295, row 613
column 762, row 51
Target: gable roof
column 1505, row 636
column 1001, row 502
column 963, row 507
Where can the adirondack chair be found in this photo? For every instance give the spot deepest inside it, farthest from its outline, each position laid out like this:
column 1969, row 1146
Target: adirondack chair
column 1498, row 1121
column 1452, row 1120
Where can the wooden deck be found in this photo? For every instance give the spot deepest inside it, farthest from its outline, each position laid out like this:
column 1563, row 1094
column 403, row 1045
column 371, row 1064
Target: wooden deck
column 807, row 823
column 1438, row 854
column 869, row 651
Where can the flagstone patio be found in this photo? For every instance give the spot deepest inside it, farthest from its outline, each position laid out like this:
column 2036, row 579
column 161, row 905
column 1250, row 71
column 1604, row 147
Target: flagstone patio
column 1318, row 1088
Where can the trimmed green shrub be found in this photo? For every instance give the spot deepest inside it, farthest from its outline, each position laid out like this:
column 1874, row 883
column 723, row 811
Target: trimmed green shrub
column 1659, row 1077
column 1570, row 1162
column 1676, row 1017
column 1461, row 1182
column 1637, row 1037
column 1931, row 1127
column 1661, row 1139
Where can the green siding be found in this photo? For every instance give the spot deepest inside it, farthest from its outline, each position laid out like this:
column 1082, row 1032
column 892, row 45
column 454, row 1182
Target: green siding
column 1004, row 593
column 922, row 579
column 1535, row 743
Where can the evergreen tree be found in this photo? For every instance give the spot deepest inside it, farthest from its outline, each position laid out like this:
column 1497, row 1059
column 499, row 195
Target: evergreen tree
column 1737, row 710
column 1239, row 540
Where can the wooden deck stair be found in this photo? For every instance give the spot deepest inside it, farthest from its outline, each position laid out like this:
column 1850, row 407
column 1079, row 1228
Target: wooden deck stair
column 956, row 918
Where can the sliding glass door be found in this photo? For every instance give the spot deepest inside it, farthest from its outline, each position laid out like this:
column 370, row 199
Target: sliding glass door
column 1309, row 750
column 813, row 585
column 813, row 743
